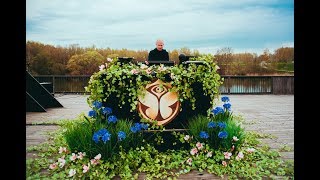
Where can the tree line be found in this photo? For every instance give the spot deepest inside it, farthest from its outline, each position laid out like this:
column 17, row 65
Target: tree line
column 44, row 59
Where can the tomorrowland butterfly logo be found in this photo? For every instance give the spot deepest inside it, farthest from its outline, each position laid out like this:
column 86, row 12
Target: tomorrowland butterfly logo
column 158, row 103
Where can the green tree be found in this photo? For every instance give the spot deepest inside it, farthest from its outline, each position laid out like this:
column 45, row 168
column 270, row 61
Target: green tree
column 85, row 64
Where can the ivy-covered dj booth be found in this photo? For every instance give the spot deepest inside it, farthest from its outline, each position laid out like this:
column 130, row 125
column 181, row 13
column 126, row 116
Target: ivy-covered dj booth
column 160, row 91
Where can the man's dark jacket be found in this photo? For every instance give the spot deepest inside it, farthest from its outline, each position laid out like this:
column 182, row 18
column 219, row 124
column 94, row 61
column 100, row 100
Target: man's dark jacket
column 155, row 55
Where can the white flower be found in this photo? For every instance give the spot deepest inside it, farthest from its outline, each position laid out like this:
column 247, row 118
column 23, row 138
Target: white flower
column 209, row 154
column 109, row 59
column 143, row 66
column 162, row 68
column 172, row 76
column 235, row 138
column 187, row 137
column 72, row 172
column 250, row 150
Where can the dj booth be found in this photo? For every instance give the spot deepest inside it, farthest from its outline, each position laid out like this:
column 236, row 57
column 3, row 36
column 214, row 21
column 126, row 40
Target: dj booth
column 159, row 101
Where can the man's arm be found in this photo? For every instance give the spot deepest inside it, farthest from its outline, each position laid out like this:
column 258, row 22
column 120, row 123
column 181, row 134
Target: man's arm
column 150, row 56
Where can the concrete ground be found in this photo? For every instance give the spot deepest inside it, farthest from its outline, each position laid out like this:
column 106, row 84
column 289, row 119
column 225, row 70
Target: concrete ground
column 268, row 114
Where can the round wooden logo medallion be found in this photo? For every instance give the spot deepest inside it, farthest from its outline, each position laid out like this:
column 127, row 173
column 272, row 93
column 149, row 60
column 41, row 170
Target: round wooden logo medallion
column 158, row 103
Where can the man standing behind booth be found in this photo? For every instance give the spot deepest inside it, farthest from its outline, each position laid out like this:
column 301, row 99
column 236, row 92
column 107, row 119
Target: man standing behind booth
column 158, row 53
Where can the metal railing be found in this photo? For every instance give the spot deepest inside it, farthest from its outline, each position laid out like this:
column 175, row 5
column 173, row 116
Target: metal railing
column 231, row 85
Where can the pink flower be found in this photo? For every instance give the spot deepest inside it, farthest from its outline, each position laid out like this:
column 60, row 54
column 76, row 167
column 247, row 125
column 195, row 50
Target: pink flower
column 227, row 155
column 81, row 155
column 194, row 151
column 62, row 162
column 73, row 157
column 134, row 71
column 85, row 168
column 224, row 163
column 189, row 161
column 209, row 154
column 148, row 71
column 232, row 148
column 199, row 145
column 94, row 161
column 97, row 157
column 53, row 166
column 72, row 172
column 109, row 59
column 235, row 138
column 62, row 149
column 239, row 156
column 250, row 150
column 146, row 62
column 101, row 67
column 187, row 137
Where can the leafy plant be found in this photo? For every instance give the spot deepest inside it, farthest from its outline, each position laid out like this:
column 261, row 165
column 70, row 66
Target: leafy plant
column 102, row 133
column 220, row 131
column 120, row 85
column 56, row 161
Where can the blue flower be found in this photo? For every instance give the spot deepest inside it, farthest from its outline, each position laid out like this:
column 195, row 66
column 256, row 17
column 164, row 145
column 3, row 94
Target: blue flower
column 104, row 133
column 106, row 137
column 144, row 126
column 217, row 110
column 212, row 125
column 121, row 135
column 204, row 135
column 227, row 106
column 222, row 124
column 112, row 119
column 222, row 134
column 106, row 110
column 97, row 104
column 101, row 132
column 92, row 113
column 136, row 127
column 96, row 137
column 225, row 99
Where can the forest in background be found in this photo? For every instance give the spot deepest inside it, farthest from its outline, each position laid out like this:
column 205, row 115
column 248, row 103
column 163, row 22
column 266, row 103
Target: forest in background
column 45, row 59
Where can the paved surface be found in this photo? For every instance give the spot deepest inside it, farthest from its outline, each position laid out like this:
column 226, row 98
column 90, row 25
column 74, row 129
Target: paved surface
column 269, row 114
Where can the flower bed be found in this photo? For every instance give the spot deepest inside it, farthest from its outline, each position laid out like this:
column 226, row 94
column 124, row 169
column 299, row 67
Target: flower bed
column 112, row 140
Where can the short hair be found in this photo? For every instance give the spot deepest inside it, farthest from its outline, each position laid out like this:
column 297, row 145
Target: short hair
column 159, row 40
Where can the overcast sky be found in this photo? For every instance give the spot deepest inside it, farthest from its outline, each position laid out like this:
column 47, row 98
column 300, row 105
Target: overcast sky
column 205, row 25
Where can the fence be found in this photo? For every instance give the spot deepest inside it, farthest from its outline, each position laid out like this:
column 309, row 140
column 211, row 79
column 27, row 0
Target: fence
column 231, row 85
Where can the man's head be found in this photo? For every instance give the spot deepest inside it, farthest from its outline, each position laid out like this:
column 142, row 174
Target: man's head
column 159, row 44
